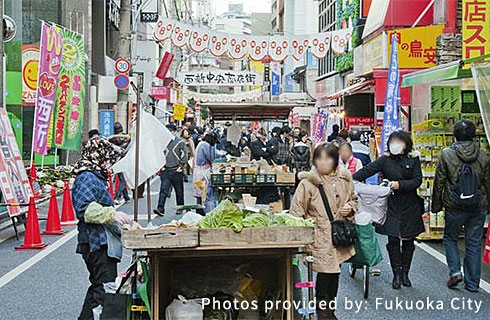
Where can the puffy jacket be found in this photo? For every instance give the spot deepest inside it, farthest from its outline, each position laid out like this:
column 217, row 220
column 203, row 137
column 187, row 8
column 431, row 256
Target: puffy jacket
column 259, row 150
column 447, row 173
column 301, row 155
column 279, row 150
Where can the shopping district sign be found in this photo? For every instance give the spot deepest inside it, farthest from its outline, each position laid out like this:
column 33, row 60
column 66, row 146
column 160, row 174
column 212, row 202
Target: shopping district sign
column 476, row 28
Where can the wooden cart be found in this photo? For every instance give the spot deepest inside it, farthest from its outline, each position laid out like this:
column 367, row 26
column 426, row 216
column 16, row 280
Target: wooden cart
column 196, row 258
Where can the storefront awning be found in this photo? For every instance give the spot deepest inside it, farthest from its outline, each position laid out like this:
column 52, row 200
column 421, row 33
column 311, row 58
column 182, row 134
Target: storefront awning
column 250, row 111
column 447, row 71
column 350, row 89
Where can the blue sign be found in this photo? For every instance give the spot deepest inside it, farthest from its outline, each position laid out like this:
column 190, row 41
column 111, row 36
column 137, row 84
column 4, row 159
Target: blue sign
column 275, row 83
column 121, row 81
column 288, row 82
column 312, row 61
column 391, row 119
column 106, row 117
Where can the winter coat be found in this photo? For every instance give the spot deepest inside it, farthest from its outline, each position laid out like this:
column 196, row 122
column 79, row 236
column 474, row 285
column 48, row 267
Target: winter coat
column 279, row 150
column 302, row 156
column 353, row 164
column 405, row 207
column 361, row 152
column 447, row 172
column 307, row 203
column 259, row 150
column 121, row 140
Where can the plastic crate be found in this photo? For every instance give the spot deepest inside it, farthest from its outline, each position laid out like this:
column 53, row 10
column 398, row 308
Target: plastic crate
column 220, row 178
column 266, row 178
column 244, row 178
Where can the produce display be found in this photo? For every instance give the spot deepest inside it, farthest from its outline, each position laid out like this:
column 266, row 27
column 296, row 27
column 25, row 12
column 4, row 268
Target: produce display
column 228, row 215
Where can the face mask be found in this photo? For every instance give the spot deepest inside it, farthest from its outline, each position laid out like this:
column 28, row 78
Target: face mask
column 397, row 148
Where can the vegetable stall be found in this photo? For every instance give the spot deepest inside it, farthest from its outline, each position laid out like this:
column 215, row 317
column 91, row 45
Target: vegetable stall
column 232, row 254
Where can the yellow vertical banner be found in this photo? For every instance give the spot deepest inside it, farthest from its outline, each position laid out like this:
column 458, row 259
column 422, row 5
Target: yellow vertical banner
column 476, row 28
column 179, row 112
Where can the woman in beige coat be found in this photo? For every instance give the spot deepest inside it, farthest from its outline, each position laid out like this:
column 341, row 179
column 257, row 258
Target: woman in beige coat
column 307, row 203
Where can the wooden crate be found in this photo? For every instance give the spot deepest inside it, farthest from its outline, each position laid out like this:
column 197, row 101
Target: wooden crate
column 161, row 238
column 263, row 237
column 285, row 177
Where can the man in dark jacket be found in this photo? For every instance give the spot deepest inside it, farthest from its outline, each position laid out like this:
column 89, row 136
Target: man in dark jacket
column 278, row 147
column 259, row 148
column 359, row 150
column 172, row 174
column 335, row 133
column 463, row 151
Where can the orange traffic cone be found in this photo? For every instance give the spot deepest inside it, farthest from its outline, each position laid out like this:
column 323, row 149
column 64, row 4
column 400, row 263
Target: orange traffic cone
column 32, row 178
column 32, row 238
column 53, row 225
column 67, row 212
column 111, row 186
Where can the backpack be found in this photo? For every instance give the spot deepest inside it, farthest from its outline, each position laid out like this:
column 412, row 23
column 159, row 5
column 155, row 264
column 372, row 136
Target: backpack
column 466, row 195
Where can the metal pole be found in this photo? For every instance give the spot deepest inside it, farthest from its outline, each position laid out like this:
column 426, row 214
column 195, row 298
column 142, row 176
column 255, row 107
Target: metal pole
column 148, row 199
column 67, row 157
column 123, row 51
column 55, row 156
column 137, row 151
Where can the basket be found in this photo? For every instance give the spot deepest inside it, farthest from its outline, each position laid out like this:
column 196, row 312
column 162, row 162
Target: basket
column 244, row 178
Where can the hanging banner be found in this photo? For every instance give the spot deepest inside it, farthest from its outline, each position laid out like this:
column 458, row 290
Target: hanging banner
column 476, row 28
column 218, row 77
column 106, row 124
column 164, row 65
column 299, row 46
column 320, row 44
column 258, row 47
column 252, row 95
column 49, row 66
column 30, row 70
column 391, row 120
column 279, row 48
column 218, row 44
column 179, row 112
column 181, row 34
column 340, row 40
column 70, row 95
column 198, row 42
column 13, row 177
column 163, row 29
column 237, row 47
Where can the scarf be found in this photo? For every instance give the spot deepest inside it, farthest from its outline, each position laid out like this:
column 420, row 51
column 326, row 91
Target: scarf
column 98, row 154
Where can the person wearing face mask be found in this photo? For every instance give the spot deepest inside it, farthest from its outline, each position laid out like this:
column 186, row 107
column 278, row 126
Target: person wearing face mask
column 307, row 203
column 401, row 166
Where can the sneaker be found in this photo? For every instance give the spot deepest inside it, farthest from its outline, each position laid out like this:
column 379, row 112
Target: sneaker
column 470, row 289
column 453, row 281
column 158, row 212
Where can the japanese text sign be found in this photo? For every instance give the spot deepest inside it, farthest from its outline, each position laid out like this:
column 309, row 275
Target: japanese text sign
column 49, row 67
column 220, row 78
column 179, row 112
column 106, row 125
column 476, row 28
column 416, row 46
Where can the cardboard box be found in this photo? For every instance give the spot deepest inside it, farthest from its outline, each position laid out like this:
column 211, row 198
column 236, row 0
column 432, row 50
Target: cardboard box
column 285, row 177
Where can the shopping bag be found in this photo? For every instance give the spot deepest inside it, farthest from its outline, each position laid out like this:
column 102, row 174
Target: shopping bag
column 373, row 199
column 486, row 252
column 368, row 252
column 183, row 309
column 116, row 305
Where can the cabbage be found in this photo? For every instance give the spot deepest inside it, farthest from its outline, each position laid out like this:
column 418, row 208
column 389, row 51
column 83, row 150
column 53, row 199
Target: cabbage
column 225, row 215
column 257, row 220
column 288, row 220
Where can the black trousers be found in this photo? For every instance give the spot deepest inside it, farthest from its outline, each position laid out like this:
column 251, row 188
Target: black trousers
column 176, row 180
column 327, row 286
column 400, row 252
column 102, row 269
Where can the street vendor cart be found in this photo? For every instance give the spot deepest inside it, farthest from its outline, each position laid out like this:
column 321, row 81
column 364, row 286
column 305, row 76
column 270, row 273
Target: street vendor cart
column 198, row 263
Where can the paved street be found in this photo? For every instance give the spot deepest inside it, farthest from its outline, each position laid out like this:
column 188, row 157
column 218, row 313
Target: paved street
column 51, row 284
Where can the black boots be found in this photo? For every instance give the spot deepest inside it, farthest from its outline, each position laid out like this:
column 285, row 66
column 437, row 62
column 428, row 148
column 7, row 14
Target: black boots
column 405, row 280
column 408, row 248
column 397, row 278
column 395, row 255
column 400, row 260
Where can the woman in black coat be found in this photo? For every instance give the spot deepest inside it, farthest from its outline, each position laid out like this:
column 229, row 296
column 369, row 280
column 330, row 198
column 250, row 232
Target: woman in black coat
column 401, row 166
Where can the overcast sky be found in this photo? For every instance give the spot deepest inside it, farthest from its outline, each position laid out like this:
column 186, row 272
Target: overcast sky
column 249, row 5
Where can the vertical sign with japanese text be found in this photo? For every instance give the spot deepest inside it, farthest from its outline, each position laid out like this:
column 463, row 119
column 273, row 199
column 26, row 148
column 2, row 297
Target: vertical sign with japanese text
column 391, row 119
column 106, row 125
column 49, row 67
column 476, row 28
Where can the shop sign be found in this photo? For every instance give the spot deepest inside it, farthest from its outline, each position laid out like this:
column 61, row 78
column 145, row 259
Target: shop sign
column 220, row 78
column 374, row 53
column 30, row 68
column 179, row 112
column 159, row 92
column 106, row 122
column 114, row 13
column 416, row 46
column 476, row 28
column 359, row 122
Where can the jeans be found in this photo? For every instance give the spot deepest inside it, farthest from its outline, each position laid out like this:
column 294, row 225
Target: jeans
column 122, row 190
column 473, row 232
column 171, row 178
column 102, row 269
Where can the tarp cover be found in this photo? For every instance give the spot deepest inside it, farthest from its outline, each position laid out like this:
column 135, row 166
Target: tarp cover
column 481, row 76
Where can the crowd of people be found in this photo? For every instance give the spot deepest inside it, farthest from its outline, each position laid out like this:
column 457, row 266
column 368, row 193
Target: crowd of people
column 325, row 182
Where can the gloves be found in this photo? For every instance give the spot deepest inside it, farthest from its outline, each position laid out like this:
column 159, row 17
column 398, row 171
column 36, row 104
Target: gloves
column 122, row 218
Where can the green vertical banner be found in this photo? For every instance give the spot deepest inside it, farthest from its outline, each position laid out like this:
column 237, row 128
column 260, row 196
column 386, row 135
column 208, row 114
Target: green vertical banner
column 70, row 94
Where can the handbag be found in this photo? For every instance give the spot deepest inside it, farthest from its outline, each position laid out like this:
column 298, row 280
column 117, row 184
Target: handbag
column 374, row 200
column 116, row 305
column 343, row 232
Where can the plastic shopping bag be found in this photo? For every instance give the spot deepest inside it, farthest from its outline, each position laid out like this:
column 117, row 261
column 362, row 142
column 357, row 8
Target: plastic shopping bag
column 368, row 252
column 486, row 252
column 183, row 309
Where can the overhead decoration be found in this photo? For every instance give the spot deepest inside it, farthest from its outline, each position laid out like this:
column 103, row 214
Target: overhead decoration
column 252, row 95
column 257, row 47
column 217, row 77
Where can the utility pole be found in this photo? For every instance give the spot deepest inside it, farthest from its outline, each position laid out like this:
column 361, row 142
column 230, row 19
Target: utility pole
column 124, row 50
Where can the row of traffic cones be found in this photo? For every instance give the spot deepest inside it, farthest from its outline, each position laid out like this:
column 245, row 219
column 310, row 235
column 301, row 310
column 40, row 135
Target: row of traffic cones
column 32, row 238
column 113, row 187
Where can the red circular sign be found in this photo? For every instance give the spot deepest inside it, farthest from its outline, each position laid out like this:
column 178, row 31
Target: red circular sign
column 121, row 81
column 122, row 65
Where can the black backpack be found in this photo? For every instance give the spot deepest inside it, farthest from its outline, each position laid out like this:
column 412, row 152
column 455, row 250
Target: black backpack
column 466, row 195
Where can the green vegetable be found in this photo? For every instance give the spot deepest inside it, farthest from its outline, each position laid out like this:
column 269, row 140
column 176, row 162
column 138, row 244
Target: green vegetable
column 286, row 219
column 225, row 215
column 257, row 220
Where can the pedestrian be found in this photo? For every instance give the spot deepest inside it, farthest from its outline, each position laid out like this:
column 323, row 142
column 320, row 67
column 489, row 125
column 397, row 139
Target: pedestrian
column 344, row 134
column 99, row 234
column 93, row 133
column 359, row 150
column 301, row 152
column 334, row 134
column 347, row 159
column 462, row 187
column 259, row 148
column 205, row 155
column 278, row 147
column 185, row 135
column 121, row 140
column 296, row 132
column 401, row 166
column 172, row 174
column 243, row 144
column 307, row 203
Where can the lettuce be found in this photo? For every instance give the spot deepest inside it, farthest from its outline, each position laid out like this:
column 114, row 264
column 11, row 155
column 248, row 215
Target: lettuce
column 288, row 220
column 225, row 215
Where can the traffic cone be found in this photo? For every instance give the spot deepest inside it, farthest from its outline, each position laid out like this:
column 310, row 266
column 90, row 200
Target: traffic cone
column 32, row 238
column 67, row 212
column 53, row 224
column 111, row 186
column 32, row 178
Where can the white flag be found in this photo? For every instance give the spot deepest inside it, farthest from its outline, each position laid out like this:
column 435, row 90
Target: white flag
column 154, row 138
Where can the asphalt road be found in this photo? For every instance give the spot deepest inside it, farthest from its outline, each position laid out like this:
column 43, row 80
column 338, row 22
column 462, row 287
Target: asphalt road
column 51, row 284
